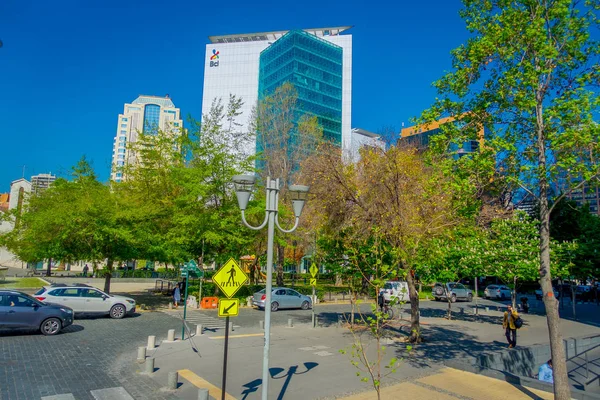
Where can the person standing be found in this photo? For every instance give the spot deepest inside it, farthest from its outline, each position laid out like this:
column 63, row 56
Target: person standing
column 545, row 372
column 85, row 270
column 508, row 323
column 176, row 296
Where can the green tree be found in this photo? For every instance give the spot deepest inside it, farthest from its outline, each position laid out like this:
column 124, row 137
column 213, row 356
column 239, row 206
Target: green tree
column 527, row 74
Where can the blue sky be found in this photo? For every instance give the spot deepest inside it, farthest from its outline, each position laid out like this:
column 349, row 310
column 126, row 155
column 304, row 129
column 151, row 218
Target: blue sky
column 67, row 67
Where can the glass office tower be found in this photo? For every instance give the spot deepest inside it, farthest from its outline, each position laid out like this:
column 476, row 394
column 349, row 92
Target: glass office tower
column 314, row 66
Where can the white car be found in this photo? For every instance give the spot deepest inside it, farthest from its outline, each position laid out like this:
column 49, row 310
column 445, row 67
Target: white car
column 497, row 292
column 84, row 299
column 394, row 289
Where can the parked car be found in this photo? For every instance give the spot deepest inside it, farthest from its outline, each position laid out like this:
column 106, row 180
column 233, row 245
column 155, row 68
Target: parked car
column 19, row 310
column 538, row 293
column 86, row 299
column 456, row 291
column 497, row 292
column 394, row 290
column 282, row 298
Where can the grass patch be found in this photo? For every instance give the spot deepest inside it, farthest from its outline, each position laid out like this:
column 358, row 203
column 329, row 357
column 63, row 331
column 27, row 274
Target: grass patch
column 21, row 283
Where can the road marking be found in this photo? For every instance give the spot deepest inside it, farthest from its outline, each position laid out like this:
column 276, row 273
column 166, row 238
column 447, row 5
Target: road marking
column 68, row 396
column 238, row 336
column 116, row 393
column 307, row 348
column 323, row 353
column 203, row 384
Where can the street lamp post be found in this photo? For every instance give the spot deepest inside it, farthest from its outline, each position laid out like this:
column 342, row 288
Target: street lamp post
column 244, row 185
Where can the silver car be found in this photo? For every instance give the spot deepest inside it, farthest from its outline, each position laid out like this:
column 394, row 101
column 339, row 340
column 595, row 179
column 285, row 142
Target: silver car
column 456, row 291
column 282, row 298
column 84, row 299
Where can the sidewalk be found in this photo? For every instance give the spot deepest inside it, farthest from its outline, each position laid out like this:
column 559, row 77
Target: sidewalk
column 451, row 384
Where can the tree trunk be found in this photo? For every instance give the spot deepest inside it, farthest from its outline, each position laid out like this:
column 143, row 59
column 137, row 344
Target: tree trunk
column 280, row 261
column 573, row 300
column 514, row 293
column 49, row 269
column 109, row 268
column 562, row 390
column 449, row 300
column 413, row 295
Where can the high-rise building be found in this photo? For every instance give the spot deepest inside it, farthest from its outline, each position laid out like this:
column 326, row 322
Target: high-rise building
column 146, row 114
column 42, row 182
column 318, row 62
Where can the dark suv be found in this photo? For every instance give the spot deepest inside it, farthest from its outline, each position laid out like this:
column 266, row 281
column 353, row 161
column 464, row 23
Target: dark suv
column 18, row 310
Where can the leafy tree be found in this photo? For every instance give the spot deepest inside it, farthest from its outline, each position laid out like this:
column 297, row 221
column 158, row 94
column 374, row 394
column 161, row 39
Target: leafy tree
column 527, row 74
column 284, row 138
column 395, row 192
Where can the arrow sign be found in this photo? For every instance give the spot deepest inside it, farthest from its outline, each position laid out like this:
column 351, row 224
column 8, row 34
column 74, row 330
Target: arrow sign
column 229, row 307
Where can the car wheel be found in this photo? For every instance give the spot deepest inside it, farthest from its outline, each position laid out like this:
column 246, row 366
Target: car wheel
column 305, row 305
column 439, row 291
column 274, row 306
column 453, row 298
column 51, row 326
column 117, row 311
column 470, row 297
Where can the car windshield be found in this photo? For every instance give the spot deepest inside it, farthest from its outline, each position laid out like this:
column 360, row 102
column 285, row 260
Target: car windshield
column 491, row 287
column 452, row 285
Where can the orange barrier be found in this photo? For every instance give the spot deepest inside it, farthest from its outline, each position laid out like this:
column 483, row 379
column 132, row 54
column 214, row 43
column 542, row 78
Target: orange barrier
column 209, row 302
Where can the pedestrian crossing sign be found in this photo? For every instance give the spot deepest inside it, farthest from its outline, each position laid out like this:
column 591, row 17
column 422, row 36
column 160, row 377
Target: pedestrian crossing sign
column 230, row 278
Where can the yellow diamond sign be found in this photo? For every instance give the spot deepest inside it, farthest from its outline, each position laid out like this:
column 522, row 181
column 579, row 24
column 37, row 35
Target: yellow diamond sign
column 313, row 281
column 230, row 278
column 313, row 270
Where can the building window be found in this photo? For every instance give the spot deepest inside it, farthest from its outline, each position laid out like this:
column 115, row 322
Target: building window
column 122, row 139
column 119, row 175
column 151, row 118
column 120, row 163
column 123, row 132
column 170, row 112
column 123, row 125
column 121, row 151
column 176, row 124
column 124, row 119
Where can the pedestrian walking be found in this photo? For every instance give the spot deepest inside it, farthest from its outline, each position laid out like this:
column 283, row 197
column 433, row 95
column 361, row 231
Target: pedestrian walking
column 508, row 323
column 85, row 270
column 545, row 372
column 176, row 296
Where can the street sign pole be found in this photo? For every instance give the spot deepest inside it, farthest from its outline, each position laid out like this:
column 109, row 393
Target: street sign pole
column 313, row 308
column 223, row 386
column 187, row 280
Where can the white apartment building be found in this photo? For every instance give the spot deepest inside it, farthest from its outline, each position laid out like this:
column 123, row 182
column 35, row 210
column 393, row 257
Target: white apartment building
column 232, row 65
column 362, row 138
column 145, row 114
column 42, row 182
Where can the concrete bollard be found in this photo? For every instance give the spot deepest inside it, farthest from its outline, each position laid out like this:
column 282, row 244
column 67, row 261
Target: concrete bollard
column 230, row 326
column 172, row 380
column 487, row 309
column 202, row 394
column 141, row 357
column 151, row 342
column 170, row 306
column 290, row 323
column 474, row 310
column 171, row 335
column 261, row 324
column 149, row 365
column 199, row 330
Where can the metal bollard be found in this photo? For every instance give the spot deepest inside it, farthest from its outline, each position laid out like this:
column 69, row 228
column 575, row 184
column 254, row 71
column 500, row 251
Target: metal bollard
column 151, row 342
column 172, row 380
column 202, row 394
column 230, row 326
column 171, row 335
column 149, row 365
column 199, row 330
column 290, row 323
column 261, row 324
column 141, row 357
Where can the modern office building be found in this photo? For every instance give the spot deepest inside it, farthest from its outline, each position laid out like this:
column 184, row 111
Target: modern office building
column 42, row 182
column 317, row 61
column 146, row 114
column 418, row 136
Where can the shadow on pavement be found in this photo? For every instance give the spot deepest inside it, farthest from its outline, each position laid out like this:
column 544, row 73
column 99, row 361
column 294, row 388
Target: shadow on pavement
column 279, row 373
column 461, row 315
column 36, row 332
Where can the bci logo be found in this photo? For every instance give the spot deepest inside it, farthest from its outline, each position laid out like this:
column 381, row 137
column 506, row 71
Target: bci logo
column 214, row 59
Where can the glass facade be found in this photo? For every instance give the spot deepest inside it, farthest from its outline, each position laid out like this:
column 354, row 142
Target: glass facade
column 314, row 66
column 151, row 118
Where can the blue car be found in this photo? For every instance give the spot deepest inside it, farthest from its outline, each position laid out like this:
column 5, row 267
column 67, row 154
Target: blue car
column 19, row 310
